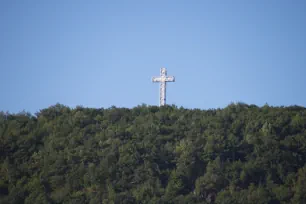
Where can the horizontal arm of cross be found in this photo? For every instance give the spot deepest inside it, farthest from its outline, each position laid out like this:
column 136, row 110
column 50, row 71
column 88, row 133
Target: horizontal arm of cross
column 163, row 79
column 170, row 79
column 156, row 79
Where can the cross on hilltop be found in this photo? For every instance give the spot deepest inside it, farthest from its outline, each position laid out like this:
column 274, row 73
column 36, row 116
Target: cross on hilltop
column 163, row 79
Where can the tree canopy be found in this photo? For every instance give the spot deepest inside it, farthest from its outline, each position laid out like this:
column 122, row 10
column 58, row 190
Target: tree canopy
column 148, row 154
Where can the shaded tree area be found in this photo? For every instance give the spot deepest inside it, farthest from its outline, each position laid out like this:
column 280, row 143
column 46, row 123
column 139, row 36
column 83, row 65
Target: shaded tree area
column 148, row 154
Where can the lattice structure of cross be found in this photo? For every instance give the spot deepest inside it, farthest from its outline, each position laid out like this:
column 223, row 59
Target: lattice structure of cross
column 163, row 79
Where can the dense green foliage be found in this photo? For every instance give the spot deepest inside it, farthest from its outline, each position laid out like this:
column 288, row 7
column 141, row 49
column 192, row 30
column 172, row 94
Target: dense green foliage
column 239, row 154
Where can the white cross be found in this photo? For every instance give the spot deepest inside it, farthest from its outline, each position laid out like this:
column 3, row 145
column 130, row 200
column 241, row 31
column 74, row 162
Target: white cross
column 163, row 78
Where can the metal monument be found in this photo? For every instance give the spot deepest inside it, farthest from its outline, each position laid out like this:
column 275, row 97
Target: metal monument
column 163, row 79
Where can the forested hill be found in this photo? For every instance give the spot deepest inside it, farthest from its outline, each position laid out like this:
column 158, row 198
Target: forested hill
column 239, row 154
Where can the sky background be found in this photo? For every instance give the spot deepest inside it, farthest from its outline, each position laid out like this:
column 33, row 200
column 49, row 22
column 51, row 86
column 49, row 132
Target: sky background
column 104, row 53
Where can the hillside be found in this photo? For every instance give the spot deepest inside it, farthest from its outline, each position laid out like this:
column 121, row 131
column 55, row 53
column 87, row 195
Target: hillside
column 239, row 154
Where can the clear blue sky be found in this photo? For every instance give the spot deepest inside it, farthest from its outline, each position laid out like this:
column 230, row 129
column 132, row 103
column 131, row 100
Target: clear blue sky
column 104, row 53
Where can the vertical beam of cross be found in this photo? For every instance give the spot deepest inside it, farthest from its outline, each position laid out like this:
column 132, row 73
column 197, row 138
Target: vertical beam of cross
column 163, row 79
